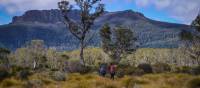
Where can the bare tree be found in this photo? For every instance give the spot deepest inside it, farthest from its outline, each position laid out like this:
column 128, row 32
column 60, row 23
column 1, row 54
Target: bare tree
column 89, row 11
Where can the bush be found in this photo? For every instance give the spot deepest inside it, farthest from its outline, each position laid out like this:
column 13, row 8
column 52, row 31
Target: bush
column 138, row 72
column 196, row 70
column 58, row 76
column 120, row 73
column 74, row 66
column 194, row 83
column 16, row 69
column 183, row 69
column 24, row 74
column 145, row 67
column 3, row 74
column 125, row 70
column 161, row 68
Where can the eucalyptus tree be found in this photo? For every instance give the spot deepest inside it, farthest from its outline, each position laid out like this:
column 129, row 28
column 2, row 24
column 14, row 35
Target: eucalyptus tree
column 117, row 43
column 89, row 11
column 193, row 40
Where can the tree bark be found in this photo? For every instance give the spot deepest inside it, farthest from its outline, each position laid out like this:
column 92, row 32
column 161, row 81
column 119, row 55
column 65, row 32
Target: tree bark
column 82, row 61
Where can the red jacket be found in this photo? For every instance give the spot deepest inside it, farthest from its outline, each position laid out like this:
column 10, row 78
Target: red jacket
column 112, row 68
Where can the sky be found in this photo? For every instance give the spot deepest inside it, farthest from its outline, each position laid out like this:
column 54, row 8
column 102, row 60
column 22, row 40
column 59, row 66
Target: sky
column 173, row 11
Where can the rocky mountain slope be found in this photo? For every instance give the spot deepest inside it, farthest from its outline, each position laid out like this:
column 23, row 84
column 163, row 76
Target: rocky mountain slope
column 47, row 25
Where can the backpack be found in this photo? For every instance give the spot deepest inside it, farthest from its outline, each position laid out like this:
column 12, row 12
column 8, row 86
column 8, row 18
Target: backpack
column 102, row 69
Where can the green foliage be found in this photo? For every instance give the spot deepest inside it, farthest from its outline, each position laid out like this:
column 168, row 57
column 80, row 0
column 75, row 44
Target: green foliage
column 4, row 60
column 36, row 56
column 93, row 56
column 196, row 23
column 3, row 74
column 176, row 57
column 23, row 74
column 186, row 35
column 193, row 46
column 89, row 11
column 161, row 68
column 125, row 70
column 196, row 70
column 55, row 60
column 183, row 69
column 119, row 43
column 74, row 66
column 31, row 56
column 147, row 68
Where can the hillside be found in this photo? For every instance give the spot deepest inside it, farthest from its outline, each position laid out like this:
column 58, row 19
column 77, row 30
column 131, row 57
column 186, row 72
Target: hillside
column 47, row 25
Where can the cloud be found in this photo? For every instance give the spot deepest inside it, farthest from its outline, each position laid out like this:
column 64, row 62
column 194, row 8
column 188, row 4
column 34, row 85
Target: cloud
column 16, row 6
column 142, row 3
column 181, row 10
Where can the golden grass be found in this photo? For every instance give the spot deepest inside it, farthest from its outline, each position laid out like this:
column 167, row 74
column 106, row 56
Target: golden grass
column 76, row 80
column 11, row 83
column 147, row 81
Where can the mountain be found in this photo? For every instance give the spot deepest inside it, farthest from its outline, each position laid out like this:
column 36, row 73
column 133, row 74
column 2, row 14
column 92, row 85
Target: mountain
column 48, row 25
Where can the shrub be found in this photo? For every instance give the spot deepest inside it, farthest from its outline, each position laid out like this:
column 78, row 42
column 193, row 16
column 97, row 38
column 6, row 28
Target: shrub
column 85, row 69
column 3, row 74
column 145, row 67
column 125, row 70
column 58, row 76
column 120, row 73
column 196, row 70
column 183, row 69
column 138, row 72
column 24, row 74
column 74, row 66
column 16, row 69
column 161, row 68
column 194, row 83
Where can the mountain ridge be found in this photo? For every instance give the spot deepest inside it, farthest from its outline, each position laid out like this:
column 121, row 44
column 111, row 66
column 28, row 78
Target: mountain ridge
column 47, row 25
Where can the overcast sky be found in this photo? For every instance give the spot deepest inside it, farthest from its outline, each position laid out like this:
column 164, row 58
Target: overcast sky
column 175, row 11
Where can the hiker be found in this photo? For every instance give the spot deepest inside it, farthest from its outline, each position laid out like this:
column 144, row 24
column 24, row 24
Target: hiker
column 112, row 70
column 102, row 69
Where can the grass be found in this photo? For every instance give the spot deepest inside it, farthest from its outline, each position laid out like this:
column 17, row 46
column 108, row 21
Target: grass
column 76, row 80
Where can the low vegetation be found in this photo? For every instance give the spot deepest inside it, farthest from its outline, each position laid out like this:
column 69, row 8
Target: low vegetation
column 77, row 80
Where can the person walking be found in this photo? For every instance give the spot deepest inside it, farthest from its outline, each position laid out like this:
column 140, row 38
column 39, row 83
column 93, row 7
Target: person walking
column 112, row 70
column 102, row 69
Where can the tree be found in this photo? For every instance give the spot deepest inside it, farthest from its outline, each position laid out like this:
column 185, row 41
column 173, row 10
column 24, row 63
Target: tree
column 33, row 55
column 89, row 11
column 36, row 48
column 193, row 40
column 4, row 61
column 117, row 43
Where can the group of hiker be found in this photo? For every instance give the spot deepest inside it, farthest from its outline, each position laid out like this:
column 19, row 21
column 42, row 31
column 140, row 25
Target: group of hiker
column 104, row 69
